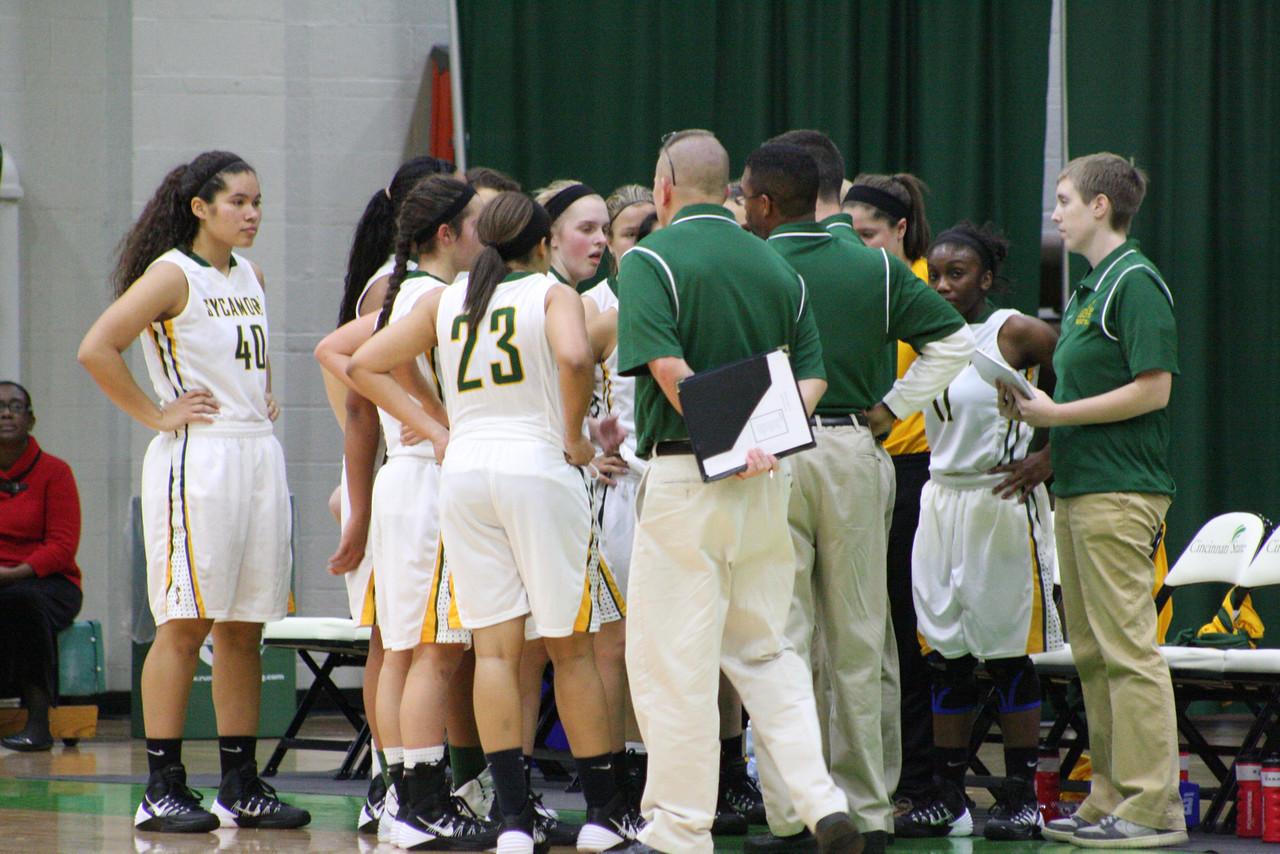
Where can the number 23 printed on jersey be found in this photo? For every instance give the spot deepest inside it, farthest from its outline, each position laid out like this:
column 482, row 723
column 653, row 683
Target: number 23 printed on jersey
column 502, row 322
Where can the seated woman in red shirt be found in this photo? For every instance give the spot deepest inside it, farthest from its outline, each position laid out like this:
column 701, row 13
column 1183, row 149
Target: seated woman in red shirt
column 39, row 580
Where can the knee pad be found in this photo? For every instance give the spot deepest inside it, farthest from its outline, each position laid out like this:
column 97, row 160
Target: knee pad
column 1016, row 682
column 953, row 688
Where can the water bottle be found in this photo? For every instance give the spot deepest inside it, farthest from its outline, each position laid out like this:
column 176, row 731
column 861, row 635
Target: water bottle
column 1184, row 766
column 1048, row 786
column 1190, row 794
column 1271, row 798
column 749, row 746
column 1249, row 796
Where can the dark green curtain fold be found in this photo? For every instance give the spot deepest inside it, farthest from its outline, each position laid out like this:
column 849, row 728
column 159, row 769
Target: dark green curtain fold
column 953, row 91
column 1191, row 89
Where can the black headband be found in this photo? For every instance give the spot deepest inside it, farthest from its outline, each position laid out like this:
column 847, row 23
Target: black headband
column 559, row 203
column 456, row 207
column 878, row 198
column 537, row 229
column 196, row 181
column 955, row 235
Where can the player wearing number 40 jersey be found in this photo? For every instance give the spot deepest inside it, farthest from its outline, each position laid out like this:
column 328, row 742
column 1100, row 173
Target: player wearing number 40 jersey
column 215, row 504
column 515, row 368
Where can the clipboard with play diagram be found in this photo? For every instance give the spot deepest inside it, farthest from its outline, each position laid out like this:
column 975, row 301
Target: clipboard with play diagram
column 751, row 403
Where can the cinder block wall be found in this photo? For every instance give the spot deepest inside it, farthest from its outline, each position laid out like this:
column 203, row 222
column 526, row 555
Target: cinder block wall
column 98, row 99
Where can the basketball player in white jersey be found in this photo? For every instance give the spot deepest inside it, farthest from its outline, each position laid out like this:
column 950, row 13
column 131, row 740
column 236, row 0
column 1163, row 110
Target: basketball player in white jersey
column 437, row 227
column 369, row 266
column 215, row 504
column 515, row 366
column 982, row 566
column 619, row 470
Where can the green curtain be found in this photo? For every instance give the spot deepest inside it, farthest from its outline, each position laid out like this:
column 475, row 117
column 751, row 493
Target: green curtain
column 1191, row 89
column 952, row 90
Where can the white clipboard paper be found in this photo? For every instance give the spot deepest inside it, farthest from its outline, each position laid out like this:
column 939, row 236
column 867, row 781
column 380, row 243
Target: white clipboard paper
column 752, row 403
column 993, row 370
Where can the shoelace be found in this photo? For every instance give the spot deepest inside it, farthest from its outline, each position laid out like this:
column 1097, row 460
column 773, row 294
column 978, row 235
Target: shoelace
column 259, row 793
column 935, row 813
column 471, row 822
column 180, row 793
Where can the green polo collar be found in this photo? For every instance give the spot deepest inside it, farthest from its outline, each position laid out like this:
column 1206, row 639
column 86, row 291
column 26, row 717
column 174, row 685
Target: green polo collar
column 558, row 276
column 799, row 230
column 688, row 211
column 841, row 220
column 515, row 275
column 1096, row 275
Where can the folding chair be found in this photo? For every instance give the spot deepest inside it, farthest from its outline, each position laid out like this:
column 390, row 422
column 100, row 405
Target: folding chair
column 344, row 644
column 1220, row 552
column 1254, row 675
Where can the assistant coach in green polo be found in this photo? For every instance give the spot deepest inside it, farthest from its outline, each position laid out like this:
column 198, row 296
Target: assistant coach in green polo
column 711, row 566
column 842, row 491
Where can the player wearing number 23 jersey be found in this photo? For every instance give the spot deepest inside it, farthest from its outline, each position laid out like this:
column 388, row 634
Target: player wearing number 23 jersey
column 505, row 468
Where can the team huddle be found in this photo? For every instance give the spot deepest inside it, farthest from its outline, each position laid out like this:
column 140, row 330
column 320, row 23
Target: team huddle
column 518, row 487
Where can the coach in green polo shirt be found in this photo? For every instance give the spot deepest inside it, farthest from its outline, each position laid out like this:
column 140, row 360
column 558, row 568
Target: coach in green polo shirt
column 830, row 162
column 863, row 300
column 710, row 582
column 1115, row 363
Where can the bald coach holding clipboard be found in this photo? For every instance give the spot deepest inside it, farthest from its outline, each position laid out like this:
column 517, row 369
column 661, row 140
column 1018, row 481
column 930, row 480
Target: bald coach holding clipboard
column 713, row 564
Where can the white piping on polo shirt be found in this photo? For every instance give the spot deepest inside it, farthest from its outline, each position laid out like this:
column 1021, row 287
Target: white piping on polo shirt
column 1116, row 286
column 886, row 290
column 670, row 276
column 801, row 234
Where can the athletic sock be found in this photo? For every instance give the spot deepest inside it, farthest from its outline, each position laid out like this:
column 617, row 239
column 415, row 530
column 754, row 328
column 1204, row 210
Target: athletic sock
column 236, row 751
column 528, row 770
column 596, row 774
column 621, row 772
column 510, row 780
column 1021, row 762
column 731, row 748
column 163, row 752
column 378, row 763
column 467, row 764
column 393, row 756
column 951, row 764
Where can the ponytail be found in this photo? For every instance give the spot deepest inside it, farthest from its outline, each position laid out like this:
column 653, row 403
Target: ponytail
column 398, row 275
column 511, row 227
column 375, row 235
column 487, row 272
column 435, row 201
column 167, row 221
column 915, row 243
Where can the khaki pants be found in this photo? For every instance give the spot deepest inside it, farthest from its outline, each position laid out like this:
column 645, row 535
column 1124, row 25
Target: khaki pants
column 710, row 588
column 1104, row 551
column 841, row 499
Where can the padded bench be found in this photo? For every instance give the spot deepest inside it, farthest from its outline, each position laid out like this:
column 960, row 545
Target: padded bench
column 343, row 644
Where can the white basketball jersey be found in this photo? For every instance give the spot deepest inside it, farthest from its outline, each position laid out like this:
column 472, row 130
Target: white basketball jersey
column 967, row 436
column 218, row 342
column 500, row 380
column 614, row 394
column 388, row 267
column 415, row 286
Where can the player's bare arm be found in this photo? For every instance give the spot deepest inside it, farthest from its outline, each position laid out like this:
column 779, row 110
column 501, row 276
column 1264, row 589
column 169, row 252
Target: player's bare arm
column 566, row 331
column 398, row 344
column 1027, row 342
column 160, row 294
